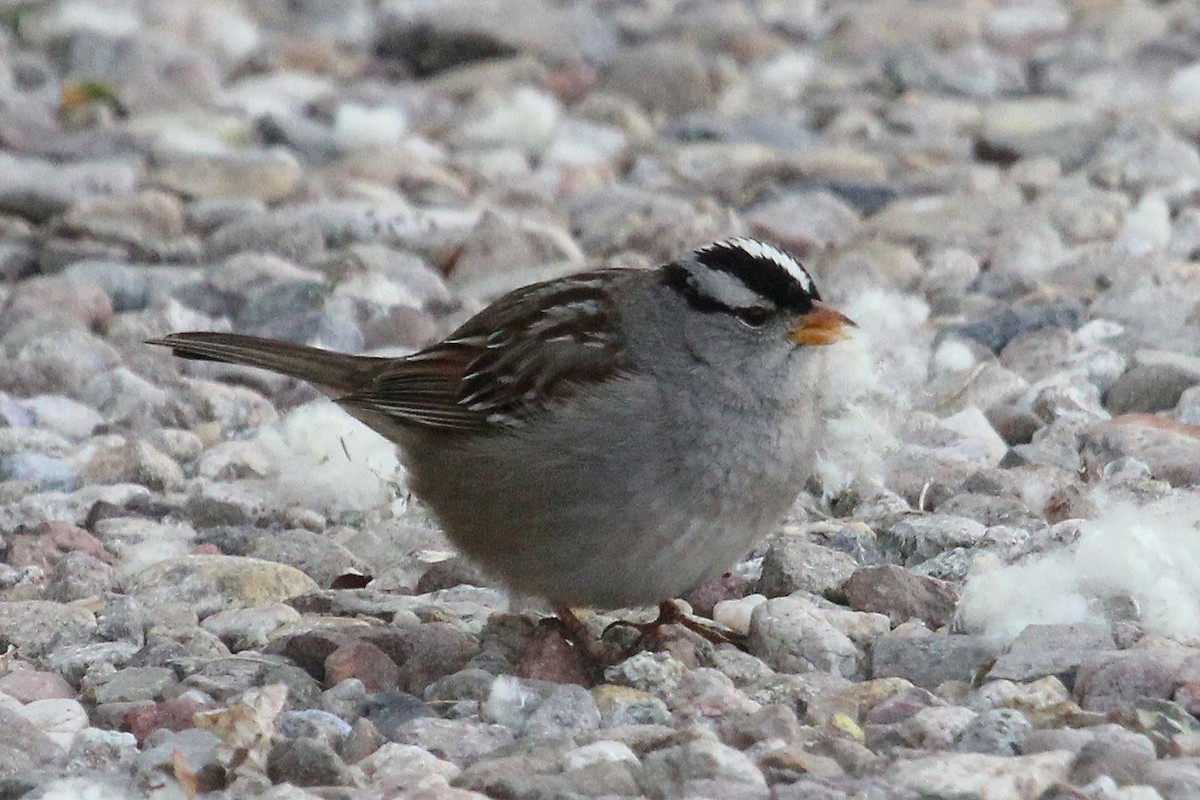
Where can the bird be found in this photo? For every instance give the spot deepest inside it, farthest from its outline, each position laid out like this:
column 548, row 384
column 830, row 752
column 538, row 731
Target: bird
column 607, row 439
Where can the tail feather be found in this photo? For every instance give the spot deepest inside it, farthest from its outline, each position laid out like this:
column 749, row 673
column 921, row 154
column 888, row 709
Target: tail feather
column 336, row 372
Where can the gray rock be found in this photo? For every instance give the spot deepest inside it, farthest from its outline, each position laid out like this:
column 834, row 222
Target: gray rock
column 40, row 471
column 222, row 676
column 135, row 683
column 932, row 728
column 929, row 661
column 389, row 711
column 1188, row 407
column 1000, row 731
column 790, row 635
column 131, row 461
column 540, row 708
column 660, row 225
column 102, row 750
column 916, row 538
column 35, row 627
column 951, row 774
column 307, row 762
column 312, row 723
column 1150, row 387
column 1112, row 680
column 1119, row 757
column 1042, row 650
column 1169, row 449
column 459, row 741
column 1142, row 157
column 313, row 554
column 19, row 735
column 656, row 673
column 431, row 39
column 65, row 416
column 621, row 706
column 705, row 695
column 347, row 699
column 266, row 175
column 249, row 628
column 207, row 215
column 793, row 563
column 195, row 748
column 150, row 221
column 38, row 189
column 278, row 234
column 215, row 583
column 805, row 223
column 1174, row 778
column 689, row 769
column 663, row 77
column 524, row 767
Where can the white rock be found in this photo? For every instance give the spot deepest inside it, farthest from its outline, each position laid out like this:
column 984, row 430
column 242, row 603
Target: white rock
column 59, row 718
column 357, row 126
column 979, row 775
column 1147, row 228
column 525, row 119
column 980, row 440
column 602, row 752
column 735, row 614
column 1183, row 97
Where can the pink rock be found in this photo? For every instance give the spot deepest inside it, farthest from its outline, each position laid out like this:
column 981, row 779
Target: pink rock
column 28, row 685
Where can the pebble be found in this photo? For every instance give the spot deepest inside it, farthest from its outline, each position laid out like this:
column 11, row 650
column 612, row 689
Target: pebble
column 929, row 661
column 266, row 175
column 789, row 635
column 1042, row 650
column 990, row 776
column 794, row 564
column 1109, row 680
column 699, row 767
column 1149, row 387
column 1169, row 449
column 916, row 539
column 307, row 762
column 211, row 583
column 1000, row 732
column 901, row 594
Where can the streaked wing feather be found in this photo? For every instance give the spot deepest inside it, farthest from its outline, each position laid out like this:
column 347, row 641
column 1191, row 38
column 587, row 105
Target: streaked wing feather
column 532, row 348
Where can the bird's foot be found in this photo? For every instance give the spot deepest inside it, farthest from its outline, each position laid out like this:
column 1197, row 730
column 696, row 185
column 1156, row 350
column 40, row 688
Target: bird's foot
column 601, row 652
column 597, row 653
column 678, row 612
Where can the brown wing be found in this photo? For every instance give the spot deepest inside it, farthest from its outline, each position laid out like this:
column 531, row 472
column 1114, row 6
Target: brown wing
column 532, row 348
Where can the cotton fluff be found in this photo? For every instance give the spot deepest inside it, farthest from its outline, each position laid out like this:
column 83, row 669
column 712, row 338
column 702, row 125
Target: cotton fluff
column 1149, row 553
column 871, row 381
column 330, row 461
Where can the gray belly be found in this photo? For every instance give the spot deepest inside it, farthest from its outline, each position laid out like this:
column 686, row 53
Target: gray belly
column 612, row 513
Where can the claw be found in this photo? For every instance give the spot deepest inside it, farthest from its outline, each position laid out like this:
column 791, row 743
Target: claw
column 676, row 612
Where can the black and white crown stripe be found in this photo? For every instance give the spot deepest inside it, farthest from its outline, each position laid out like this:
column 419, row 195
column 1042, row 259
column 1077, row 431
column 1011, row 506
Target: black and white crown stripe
column 743, row 275
column 761, row 250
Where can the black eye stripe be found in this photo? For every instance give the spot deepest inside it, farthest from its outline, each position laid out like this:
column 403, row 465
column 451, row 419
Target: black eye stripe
column 678, row 278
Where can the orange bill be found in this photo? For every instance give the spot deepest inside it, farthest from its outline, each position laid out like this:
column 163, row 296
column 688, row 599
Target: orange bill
column 822, row 325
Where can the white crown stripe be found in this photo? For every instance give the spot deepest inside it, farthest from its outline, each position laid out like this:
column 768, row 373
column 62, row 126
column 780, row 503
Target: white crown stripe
column 768, row 252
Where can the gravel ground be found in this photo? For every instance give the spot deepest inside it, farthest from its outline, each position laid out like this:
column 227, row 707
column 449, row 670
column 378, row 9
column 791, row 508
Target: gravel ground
column 988, row 590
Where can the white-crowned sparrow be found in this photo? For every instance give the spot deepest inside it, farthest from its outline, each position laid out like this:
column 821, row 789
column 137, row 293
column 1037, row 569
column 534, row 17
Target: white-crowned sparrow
column 610, row 438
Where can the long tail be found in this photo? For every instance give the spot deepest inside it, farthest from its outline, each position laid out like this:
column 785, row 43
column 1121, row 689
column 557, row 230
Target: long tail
column 334, row 372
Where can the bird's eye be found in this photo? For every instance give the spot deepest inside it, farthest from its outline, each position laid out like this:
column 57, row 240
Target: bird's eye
column 754, row 316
